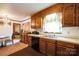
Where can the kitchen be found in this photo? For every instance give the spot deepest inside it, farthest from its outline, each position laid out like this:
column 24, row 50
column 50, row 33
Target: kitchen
column 52, row 31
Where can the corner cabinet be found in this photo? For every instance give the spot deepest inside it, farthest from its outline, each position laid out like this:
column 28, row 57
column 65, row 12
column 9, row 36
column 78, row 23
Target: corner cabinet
column 68, row 11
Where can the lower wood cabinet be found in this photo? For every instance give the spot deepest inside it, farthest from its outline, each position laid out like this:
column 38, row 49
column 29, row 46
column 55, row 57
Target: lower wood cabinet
column 47, row 47
column 29, row 40
column 23, row 38
column 50, row 47
column 26, row 39
column 65, row 51
column 42, row 45
column 58, row 48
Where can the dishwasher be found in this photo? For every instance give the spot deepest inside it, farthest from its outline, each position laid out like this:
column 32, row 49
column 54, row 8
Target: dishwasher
column 35, row 41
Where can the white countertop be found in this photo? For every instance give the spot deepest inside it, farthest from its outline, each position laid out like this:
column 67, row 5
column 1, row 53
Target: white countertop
column 71, row 40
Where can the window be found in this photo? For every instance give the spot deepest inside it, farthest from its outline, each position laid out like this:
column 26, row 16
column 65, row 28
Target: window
column 52, row 23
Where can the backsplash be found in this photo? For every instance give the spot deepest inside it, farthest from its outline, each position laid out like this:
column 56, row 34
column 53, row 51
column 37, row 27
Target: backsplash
column 66, row 30
column 70, row 30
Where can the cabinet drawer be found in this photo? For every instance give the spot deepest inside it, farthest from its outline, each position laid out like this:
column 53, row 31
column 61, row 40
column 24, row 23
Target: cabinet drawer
column 66, row 44
column 51, row 41
column 50, row 44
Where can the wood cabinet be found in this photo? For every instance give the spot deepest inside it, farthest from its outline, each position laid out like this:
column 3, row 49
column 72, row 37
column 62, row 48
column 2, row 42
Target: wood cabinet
column 36, row 22
column 29, row 41
column 68, row 15
column 42, row 45
column 37, row 18
column 50, row 47
column 77, row 14
column 47, row 47
column 33, row 21
column 66, row 49
column 26, row 39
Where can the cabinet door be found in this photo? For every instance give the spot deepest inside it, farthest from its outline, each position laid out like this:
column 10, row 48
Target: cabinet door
column 33, row 21
column 38, row 22
column 29, row 40
column 68, row 15
column 65, row 51
column 24, row 38
column 51, row 48
column 42, row 46
column 77, row 14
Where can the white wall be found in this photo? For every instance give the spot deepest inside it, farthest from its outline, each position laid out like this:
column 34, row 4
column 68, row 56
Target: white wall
column 7, row 29
column 26, row 25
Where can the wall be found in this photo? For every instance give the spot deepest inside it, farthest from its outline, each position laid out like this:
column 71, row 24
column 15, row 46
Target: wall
column 26, row 25
column 7, row 29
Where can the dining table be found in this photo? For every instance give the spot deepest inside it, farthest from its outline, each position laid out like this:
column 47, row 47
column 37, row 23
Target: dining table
column 3, row 38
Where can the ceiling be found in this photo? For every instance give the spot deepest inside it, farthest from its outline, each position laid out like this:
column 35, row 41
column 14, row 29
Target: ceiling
column 20, row 11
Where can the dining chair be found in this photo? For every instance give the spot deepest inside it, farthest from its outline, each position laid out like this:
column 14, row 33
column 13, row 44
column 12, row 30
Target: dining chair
column 9, row 40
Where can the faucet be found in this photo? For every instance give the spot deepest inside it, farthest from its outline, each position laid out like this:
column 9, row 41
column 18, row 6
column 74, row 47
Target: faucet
column 54, row 35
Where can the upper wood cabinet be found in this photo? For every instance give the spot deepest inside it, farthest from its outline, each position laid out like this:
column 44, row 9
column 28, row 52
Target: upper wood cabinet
column 36, row 22
column 68, row 15
column 77, row 14
column 37, row 19
column 33, row 21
